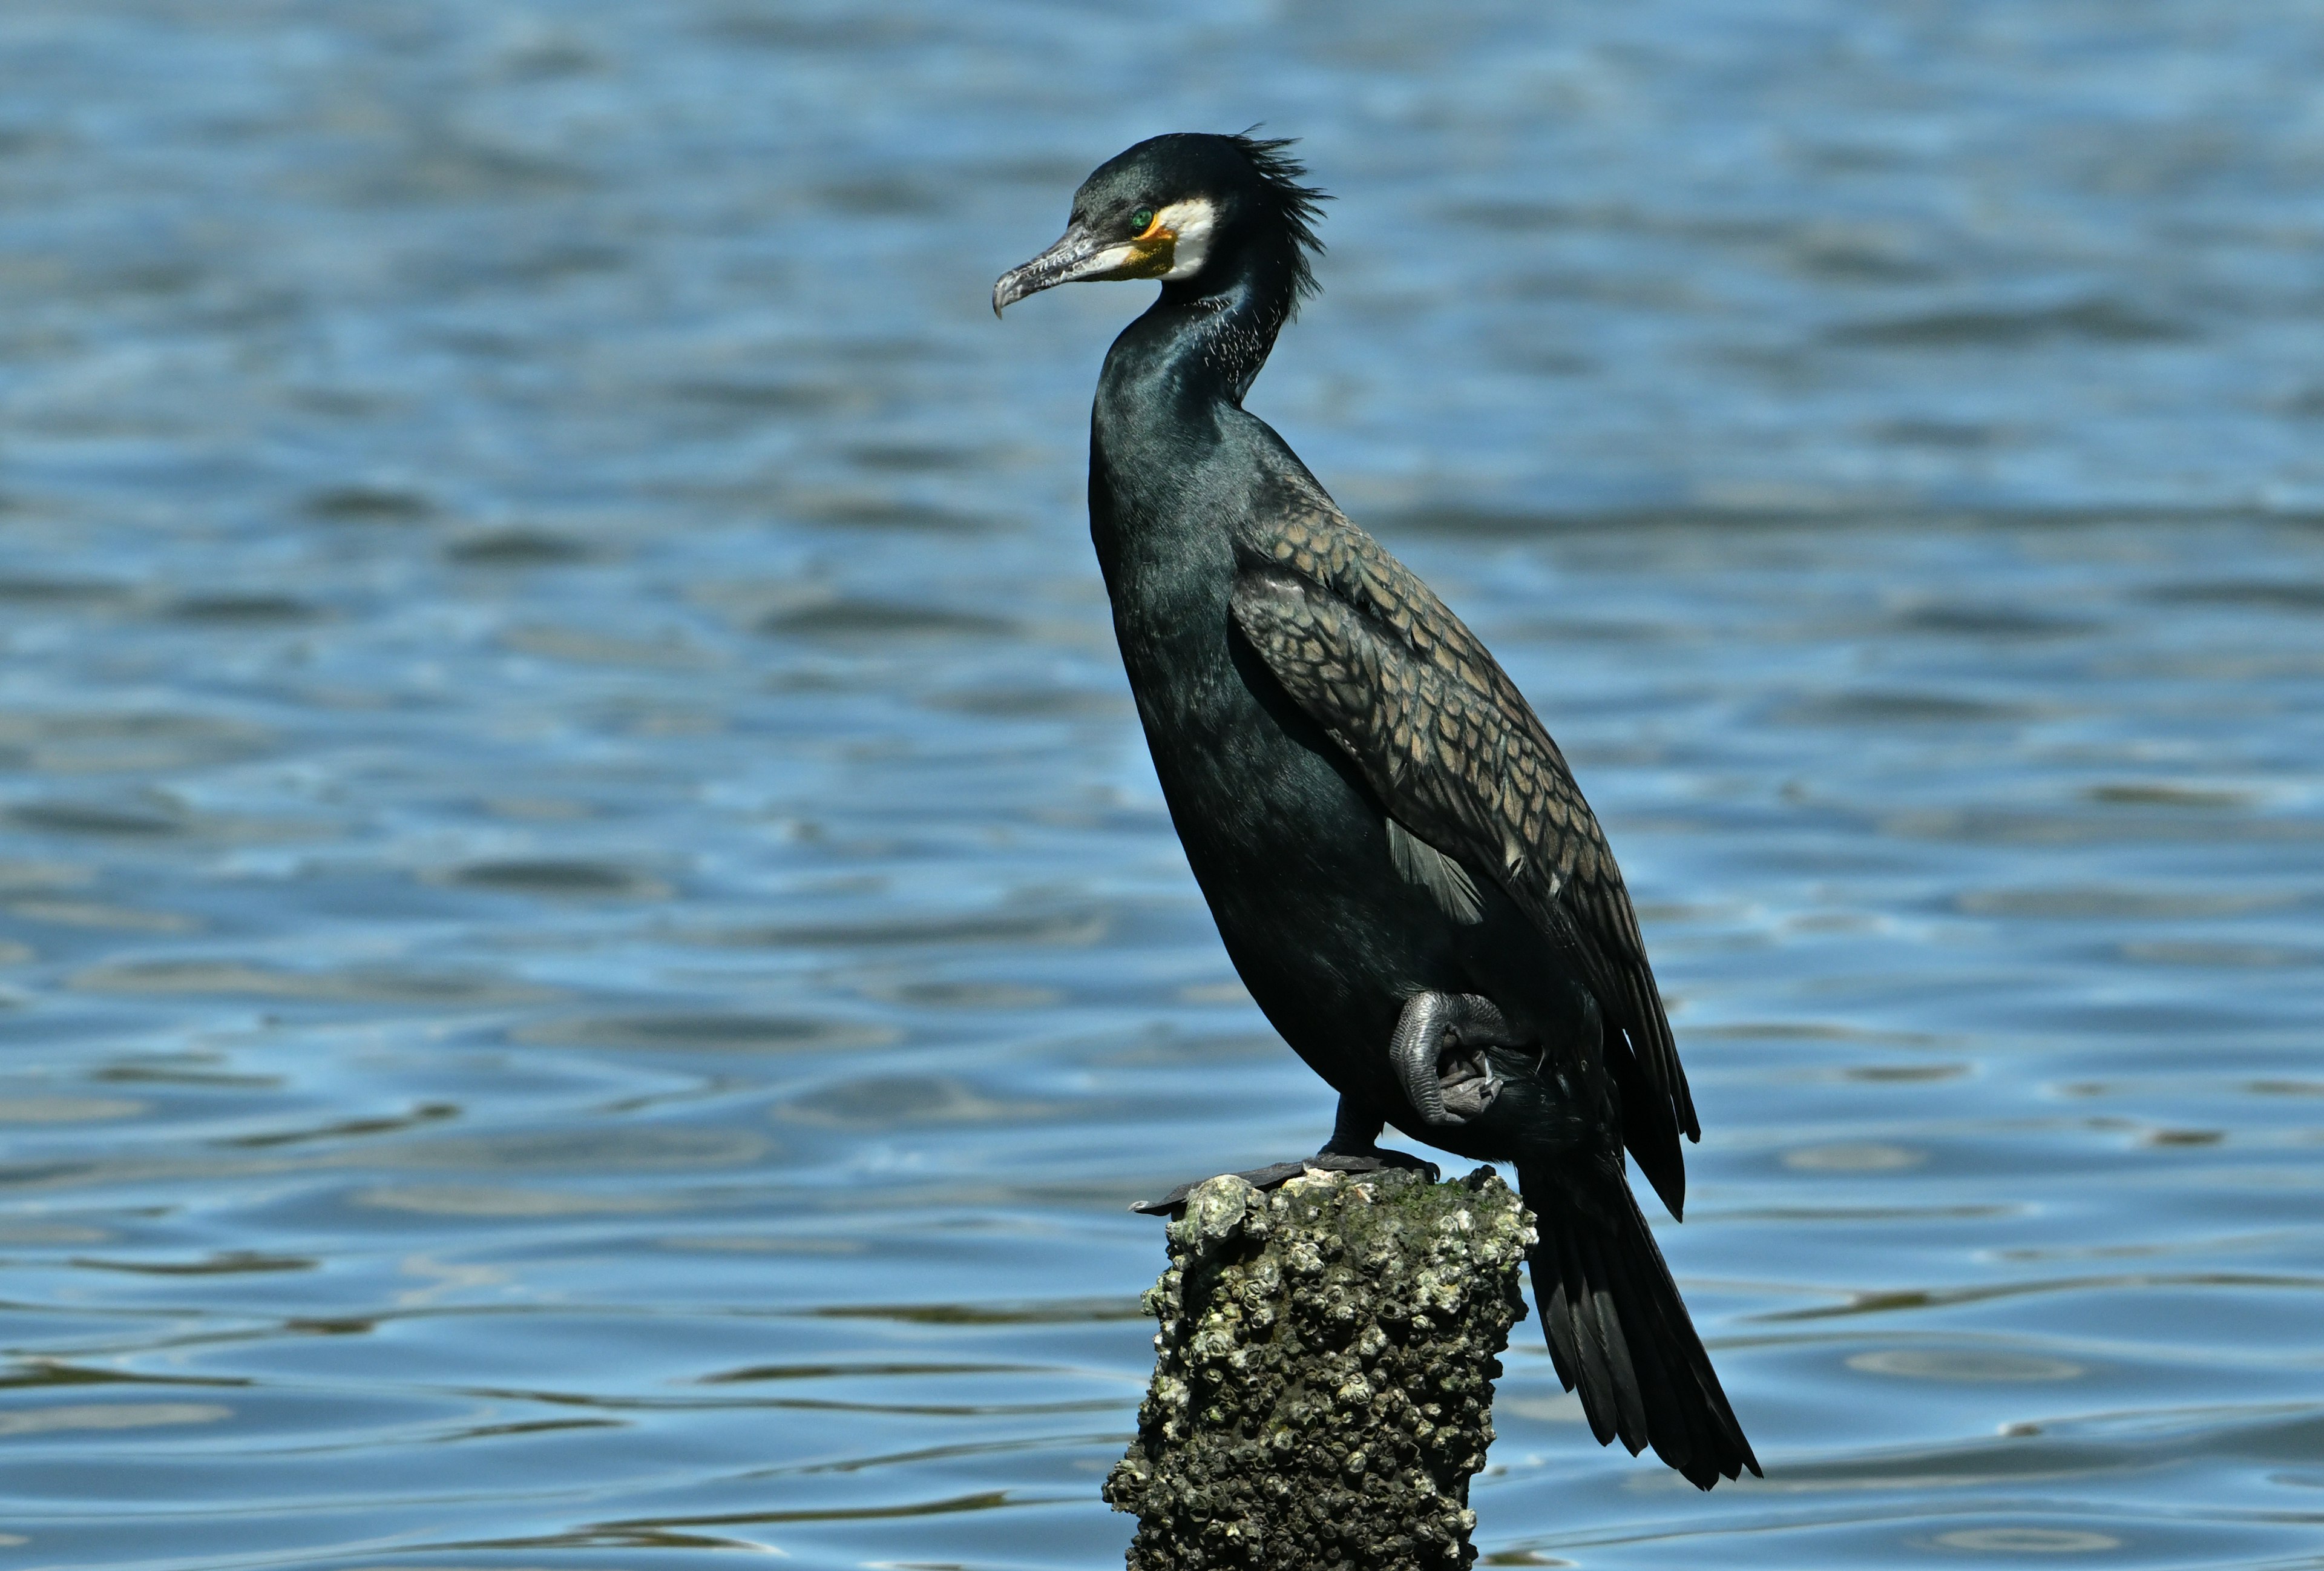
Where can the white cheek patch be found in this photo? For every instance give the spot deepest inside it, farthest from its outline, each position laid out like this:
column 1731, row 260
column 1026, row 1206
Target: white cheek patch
column 1191, row 222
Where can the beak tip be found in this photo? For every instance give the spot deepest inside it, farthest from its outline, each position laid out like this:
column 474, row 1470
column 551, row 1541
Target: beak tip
column 1063, row 262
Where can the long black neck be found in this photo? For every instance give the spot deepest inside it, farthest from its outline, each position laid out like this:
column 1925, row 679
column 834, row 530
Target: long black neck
column 1168, row 403
column 1173, row 467
column 1206, row 338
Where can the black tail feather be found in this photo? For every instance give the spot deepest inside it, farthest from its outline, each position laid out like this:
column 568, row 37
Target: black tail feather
column 1620, row 1333
column 1630, row 1401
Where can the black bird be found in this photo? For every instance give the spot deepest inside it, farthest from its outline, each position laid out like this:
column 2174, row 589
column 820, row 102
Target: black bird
column 1400, row 864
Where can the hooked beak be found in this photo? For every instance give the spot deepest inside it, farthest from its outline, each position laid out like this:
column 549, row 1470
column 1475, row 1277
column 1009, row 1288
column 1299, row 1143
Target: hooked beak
column 1077, row 254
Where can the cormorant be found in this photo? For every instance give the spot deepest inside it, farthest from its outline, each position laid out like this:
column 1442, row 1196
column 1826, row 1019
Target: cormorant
column 1401, row 865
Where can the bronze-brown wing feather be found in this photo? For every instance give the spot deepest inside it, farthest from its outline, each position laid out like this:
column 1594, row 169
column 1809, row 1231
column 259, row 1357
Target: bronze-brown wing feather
column 1457, row 756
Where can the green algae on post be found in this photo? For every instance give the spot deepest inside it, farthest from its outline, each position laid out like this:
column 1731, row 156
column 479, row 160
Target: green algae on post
column 1324, row 1380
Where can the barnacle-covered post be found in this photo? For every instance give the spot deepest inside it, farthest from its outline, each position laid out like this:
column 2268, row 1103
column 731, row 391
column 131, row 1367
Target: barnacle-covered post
column 1323, row 1387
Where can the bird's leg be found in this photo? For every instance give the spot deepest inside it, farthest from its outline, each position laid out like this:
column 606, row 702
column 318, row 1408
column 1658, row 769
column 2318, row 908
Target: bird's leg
column 1351, row 1150
column 1439, row 1054
column 1354, row 1130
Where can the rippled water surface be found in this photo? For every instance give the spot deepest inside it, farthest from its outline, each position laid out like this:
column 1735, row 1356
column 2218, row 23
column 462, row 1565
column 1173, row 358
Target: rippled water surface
column 588, row 951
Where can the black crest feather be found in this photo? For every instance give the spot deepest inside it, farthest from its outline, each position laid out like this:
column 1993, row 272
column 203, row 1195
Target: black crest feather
column 1299, row 205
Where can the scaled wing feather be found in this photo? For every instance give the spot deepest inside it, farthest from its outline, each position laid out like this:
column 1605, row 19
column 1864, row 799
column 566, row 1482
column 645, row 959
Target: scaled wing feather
column 1455, row 755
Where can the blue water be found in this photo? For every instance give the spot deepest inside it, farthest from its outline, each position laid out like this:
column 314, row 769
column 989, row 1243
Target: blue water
column 588, row 951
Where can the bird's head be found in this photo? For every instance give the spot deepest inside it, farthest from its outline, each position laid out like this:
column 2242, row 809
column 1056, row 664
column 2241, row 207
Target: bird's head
column 1190, row 209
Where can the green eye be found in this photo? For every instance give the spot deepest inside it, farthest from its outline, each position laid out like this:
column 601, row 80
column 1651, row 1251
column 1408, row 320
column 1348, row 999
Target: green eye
column 1139, row 219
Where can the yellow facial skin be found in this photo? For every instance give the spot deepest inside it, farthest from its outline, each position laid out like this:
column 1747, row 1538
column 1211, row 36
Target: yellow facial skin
column 1152, row 251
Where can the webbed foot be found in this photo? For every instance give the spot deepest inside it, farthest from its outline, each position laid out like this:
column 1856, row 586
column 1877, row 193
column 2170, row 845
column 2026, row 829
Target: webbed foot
column 1349, row 1150
column 1376, row 1160
column 1284, row 1172
column 1265, row 1178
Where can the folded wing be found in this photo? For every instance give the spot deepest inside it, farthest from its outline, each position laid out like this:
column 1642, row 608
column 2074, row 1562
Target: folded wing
column 1459, row 759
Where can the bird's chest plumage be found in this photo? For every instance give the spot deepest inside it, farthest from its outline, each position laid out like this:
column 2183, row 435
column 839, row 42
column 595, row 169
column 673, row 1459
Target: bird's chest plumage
column 1250, row 780
column 1289, row 849
column 1224, row 735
